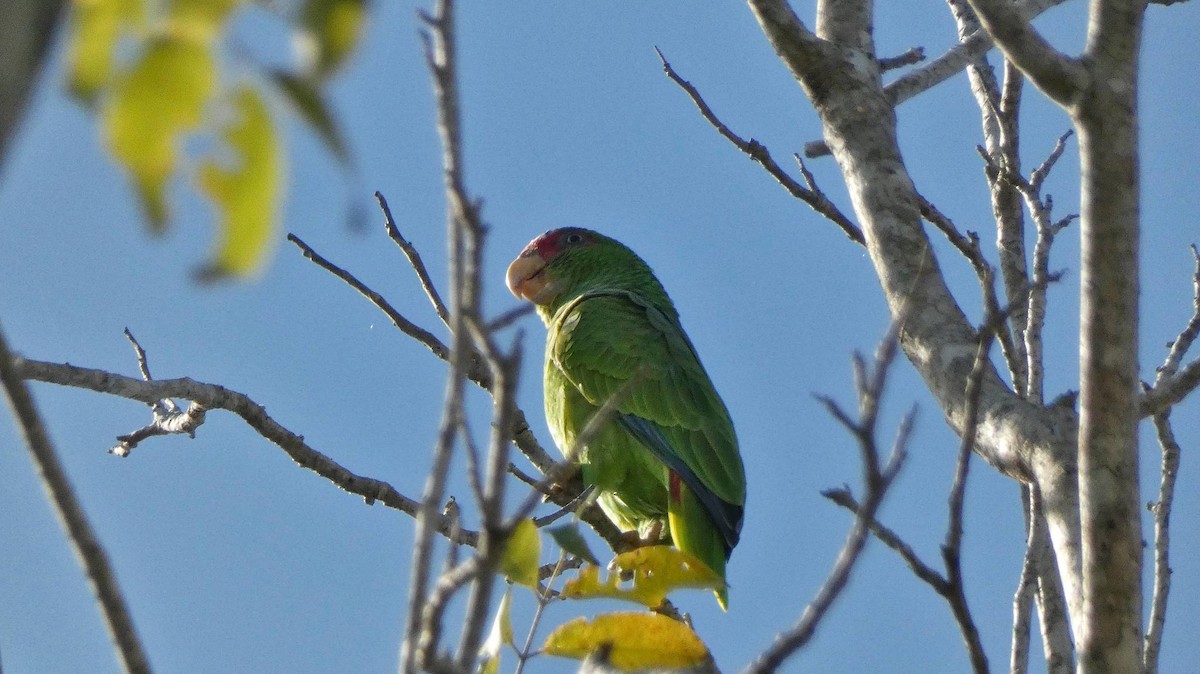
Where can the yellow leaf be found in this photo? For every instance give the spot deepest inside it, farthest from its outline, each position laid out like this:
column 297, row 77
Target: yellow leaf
column 157, row 101
column 331, row 30
column 97, row 28
column 637, row 641
column 247, row 194
column 522, row 552
column 654, row 572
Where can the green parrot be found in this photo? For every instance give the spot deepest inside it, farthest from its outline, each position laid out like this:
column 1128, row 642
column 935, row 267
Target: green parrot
column 668, row 457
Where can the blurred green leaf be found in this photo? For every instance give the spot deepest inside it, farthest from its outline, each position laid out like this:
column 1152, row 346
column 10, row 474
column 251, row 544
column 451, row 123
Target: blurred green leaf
column 569, row 539
column 332, row 29
column 637, row 641
column 246, row 195
column 306, row 96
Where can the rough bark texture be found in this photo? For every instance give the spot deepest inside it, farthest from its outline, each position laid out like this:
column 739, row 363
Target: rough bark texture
column 1026, row 441
column 1106, row 118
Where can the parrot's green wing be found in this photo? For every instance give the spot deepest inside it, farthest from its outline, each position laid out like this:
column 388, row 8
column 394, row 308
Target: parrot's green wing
column 604, row 340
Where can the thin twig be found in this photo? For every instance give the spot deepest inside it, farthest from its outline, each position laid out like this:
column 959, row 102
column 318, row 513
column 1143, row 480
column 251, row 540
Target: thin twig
column 406, row 326
column 143, row 366
column 446, row 586
column 877, row 480
column 1162, row 541
column 414, row 259
column 952, row 548
column 890, row 538
column 1171, row 383
column 759, row 153
column 1187, row 336
column 477, row 370
column 88, row 549
column 168, row 418
column 968, row 245
column 1039, row 174
column 255, row 415
column 1018, row 659
column 567, row 509
column 908, row 58
column 544, row 595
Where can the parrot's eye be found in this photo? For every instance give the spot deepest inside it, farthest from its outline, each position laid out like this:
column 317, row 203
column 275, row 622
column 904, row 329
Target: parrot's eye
column 574, row 237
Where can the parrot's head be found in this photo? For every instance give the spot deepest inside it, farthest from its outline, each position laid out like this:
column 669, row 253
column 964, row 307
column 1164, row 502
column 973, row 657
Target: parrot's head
column 564, row 263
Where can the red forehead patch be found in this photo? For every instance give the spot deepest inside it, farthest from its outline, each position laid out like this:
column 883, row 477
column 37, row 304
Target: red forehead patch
column 551, row 243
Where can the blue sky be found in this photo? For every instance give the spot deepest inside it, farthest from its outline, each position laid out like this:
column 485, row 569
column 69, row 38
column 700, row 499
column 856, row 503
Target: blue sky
column 234, row 559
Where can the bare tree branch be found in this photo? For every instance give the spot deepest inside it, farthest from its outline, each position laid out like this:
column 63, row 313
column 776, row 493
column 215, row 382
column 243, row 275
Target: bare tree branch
column 414, row 259
column 908, row 58
column 812, row 195
column 464, row 232
column 477, row 370
column 1018, row 660
column 916, row 82
column 83, row 539
column 951, row 585
column 1162, row 541
column 1061, row 77
column 212, row 396
column 876, row 478
column 955, row 59
column 168, row 418
column 1171, row 384
column 952, row 548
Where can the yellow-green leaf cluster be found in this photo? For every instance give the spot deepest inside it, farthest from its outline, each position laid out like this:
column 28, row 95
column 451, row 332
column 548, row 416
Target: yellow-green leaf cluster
column 652, row 571
column 153, row 70
column 635, row 641
column 522, row 552
column 152, row 105
column 246, row 194
column 98, row 27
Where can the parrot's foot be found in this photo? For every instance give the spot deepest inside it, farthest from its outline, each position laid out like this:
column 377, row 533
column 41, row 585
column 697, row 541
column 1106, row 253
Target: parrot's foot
column 564, row 477
column 647, row 534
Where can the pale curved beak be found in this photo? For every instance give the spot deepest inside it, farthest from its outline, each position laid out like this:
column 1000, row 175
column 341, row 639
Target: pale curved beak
column 525, row 278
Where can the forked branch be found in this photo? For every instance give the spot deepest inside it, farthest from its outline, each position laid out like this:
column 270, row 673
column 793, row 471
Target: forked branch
column 877, row 479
